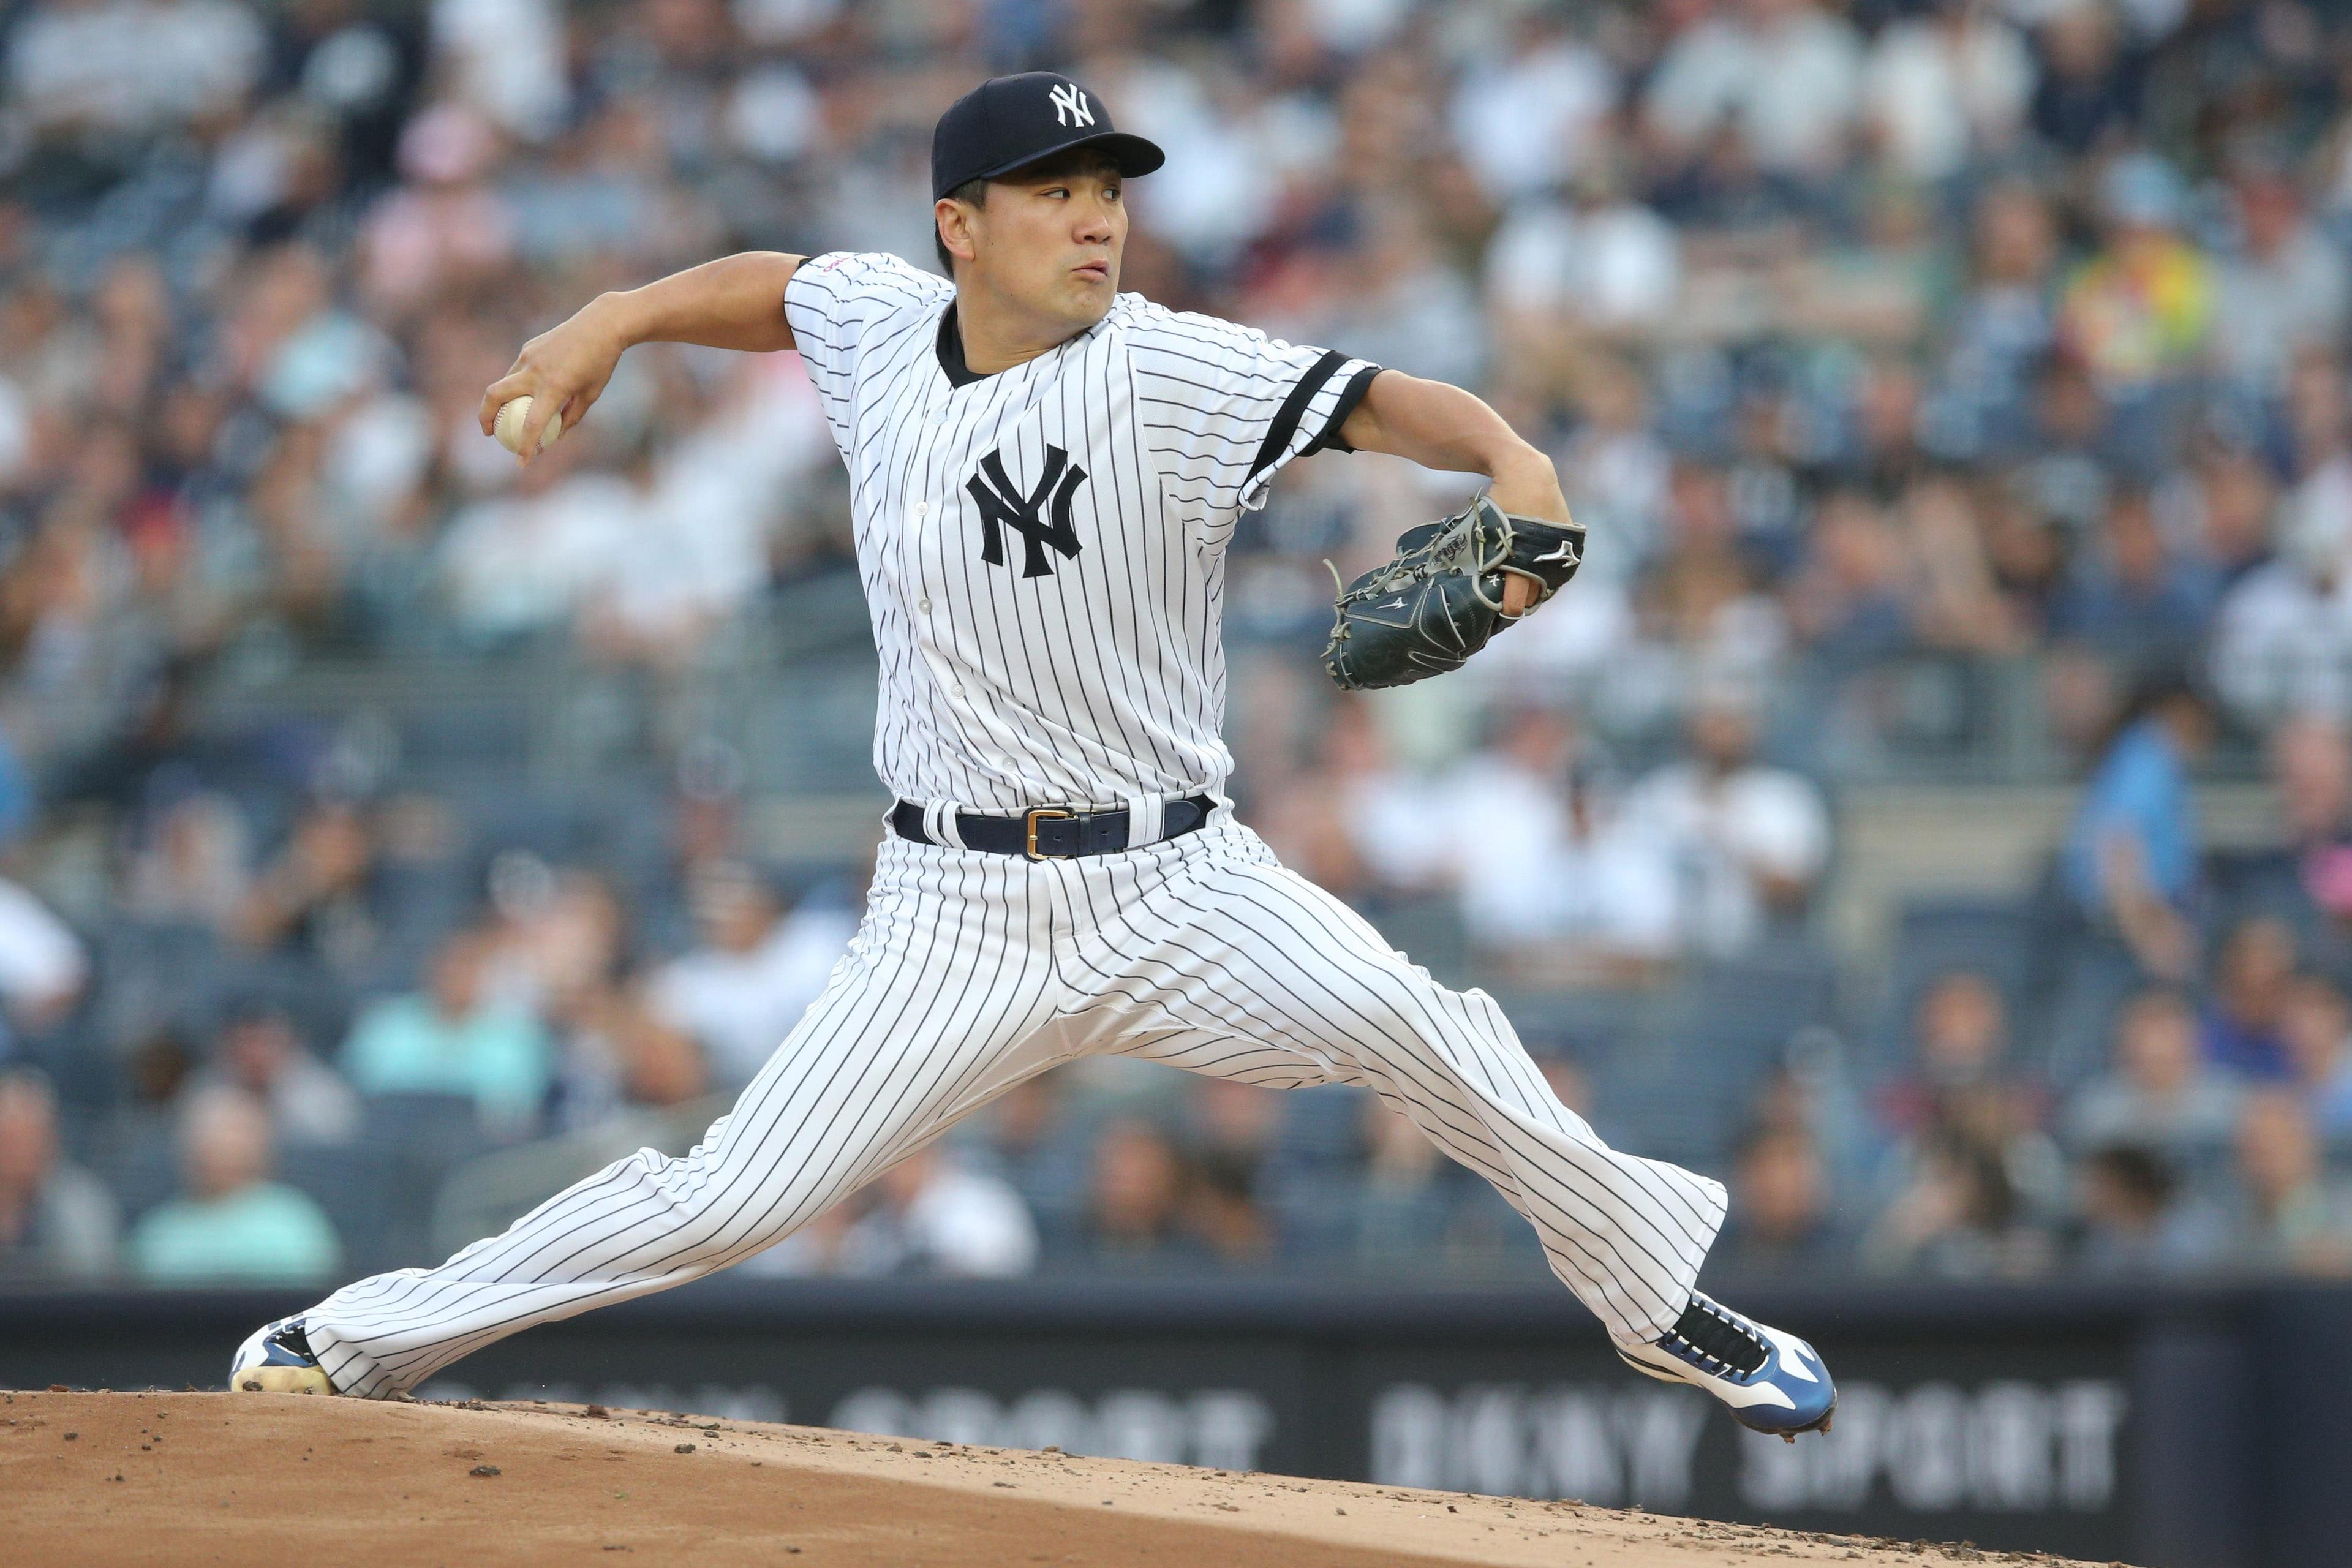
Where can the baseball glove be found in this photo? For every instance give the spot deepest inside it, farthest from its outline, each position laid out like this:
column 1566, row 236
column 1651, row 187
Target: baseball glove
column 1441, row 599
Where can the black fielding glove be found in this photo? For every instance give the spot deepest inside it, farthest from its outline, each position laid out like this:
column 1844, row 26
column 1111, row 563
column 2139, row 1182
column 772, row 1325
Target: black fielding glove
column 1427, row 611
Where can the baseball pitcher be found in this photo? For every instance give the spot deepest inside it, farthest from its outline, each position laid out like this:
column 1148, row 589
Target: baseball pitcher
column 1045, row 473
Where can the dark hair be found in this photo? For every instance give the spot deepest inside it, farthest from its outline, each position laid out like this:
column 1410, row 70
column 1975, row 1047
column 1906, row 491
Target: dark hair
column 1072, row 161
column 2140, row 1172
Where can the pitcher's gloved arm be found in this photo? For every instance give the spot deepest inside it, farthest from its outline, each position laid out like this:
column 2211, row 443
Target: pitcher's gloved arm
column 1442, row 427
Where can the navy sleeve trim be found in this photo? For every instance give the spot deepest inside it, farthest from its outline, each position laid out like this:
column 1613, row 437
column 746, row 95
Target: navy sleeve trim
column 1349, row 395
column 1292, row 409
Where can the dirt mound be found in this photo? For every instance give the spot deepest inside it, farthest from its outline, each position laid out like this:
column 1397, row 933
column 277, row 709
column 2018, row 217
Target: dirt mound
column 103, row 1478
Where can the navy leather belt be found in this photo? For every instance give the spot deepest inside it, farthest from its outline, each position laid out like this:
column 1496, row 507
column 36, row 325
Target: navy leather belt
column 1049, row 832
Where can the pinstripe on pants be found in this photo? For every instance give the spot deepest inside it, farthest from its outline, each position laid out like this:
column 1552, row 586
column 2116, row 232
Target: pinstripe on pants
column 972, row 972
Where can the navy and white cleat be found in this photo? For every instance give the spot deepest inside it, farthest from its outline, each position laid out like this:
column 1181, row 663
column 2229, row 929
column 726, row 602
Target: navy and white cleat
column 1773, row 1382
column 278, row 1360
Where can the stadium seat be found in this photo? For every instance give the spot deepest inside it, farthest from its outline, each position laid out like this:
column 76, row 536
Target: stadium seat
column 1320, row 1127
column 360, row 1188
column 135, row 1152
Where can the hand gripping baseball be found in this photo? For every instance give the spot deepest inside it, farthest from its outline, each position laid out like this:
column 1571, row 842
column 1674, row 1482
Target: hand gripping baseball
column 1441, row 600
column 562, row 371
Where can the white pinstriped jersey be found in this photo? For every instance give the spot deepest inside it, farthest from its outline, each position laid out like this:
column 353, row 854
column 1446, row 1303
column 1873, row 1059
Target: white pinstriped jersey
column 1043, row 549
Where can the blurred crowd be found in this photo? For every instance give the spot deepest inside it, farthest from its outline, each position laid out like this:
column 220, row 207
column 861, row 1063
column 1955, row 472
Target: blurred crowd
column 1956, row 382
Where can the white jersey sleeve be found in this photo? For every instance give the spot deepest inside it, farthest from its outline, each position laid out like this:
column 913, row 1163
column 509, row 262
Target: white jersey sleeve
column 844, row 304
column 1224, row 407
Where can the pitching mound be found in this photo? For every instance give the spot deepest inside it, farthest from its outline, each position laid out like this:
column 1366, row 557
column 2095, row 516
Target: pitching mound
column 104, row 1479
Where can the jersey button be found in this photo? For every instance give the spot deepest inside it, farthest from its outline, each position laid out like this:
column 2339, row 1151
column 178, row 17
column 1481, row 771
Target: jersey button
column 924, row 605
column 922, row 509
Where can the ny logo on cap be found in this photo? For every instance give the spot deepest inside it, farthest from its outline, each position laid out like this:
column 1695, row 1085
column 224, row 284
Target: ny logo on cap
column 1003, row 505
column 1070, row 106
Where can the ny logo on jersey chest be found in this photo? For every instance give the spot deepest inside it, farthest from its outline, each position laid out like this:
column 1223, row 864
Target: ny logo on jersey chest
column 1040, row 516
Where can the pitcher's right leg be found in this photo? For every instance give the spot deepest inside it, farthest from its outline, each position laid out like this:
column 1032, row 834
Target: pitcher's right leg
column 937, row 1007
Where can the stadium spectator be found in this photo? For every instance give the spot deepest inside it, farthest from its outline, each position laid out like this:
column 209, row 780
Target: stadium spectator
column 1230, row 1123
column 2003, row 322
column 1140, row 1190
column 1528, row 118
column 757, row 966
column 1602, row 264
column 1849, row 600
column 617, row 1060
column 1973, row 1178
column 2130, row 855
column 1959, row 1213
column 528, row 561
column 2236, row 495
column 1748, row 841
column 43, row 964
column 2315, row 1028
column 2282, row 636
column 926, row 1214
column 2138, row 312
column 2130, row 1221
column 2282, row 287
column 1356, row 821
column 2131, row 599
column 231, row 1222
column 2311, row 766
column 1223, row 1212
column 2090, row 88
column 1784, row 76
column 318, row 899
column 2251, row 977
column 1959, row 1037
column 1960, row 605
column 1576, row 893
column 2285, row 1212
column 57, row 1221
column 1947, row 88
column 456, row 1036
column 261, row 1052
column 555, row 936
column 1703, row 616
column 191, row 869
column 76, row 70
column 2162, row 1093
column 1780, row 1221
column 443, row 227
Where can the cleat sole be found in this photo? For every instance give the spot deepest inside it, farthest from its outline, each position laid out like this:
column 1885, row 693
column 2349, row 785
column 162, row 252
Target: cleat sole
column 282, row 1379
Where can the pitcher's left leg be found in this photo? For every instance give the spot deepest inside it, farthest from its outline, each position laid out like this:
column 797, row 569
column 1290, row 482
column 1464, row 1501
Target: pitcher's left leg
column 1224, row 961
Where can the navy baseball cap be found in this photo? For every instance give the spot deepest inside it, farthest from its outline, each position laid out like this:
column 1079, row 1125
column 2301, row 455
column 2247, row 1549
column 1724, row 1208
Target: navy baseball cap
column 1011, row 120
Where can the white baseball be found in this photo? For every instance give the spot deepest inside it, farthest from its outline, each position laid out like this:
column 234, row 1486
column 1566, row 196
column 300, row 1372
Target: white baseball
column 513, row 414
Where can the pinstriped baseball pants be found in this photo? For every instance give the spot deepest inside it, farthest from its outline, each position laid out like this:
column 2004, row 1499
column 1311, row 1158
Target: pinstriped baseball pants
column 972, row 972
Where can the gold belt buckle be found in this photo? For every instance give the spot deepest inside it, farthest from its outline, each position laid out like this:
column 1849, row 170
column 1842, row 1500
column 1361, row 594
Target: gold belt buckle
column 1046, row 813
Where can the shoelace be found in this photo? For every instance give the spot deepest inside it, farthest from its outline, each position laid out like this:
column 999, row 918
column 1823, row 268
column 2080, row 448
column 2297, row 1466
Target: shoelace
column 1718, row 1337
